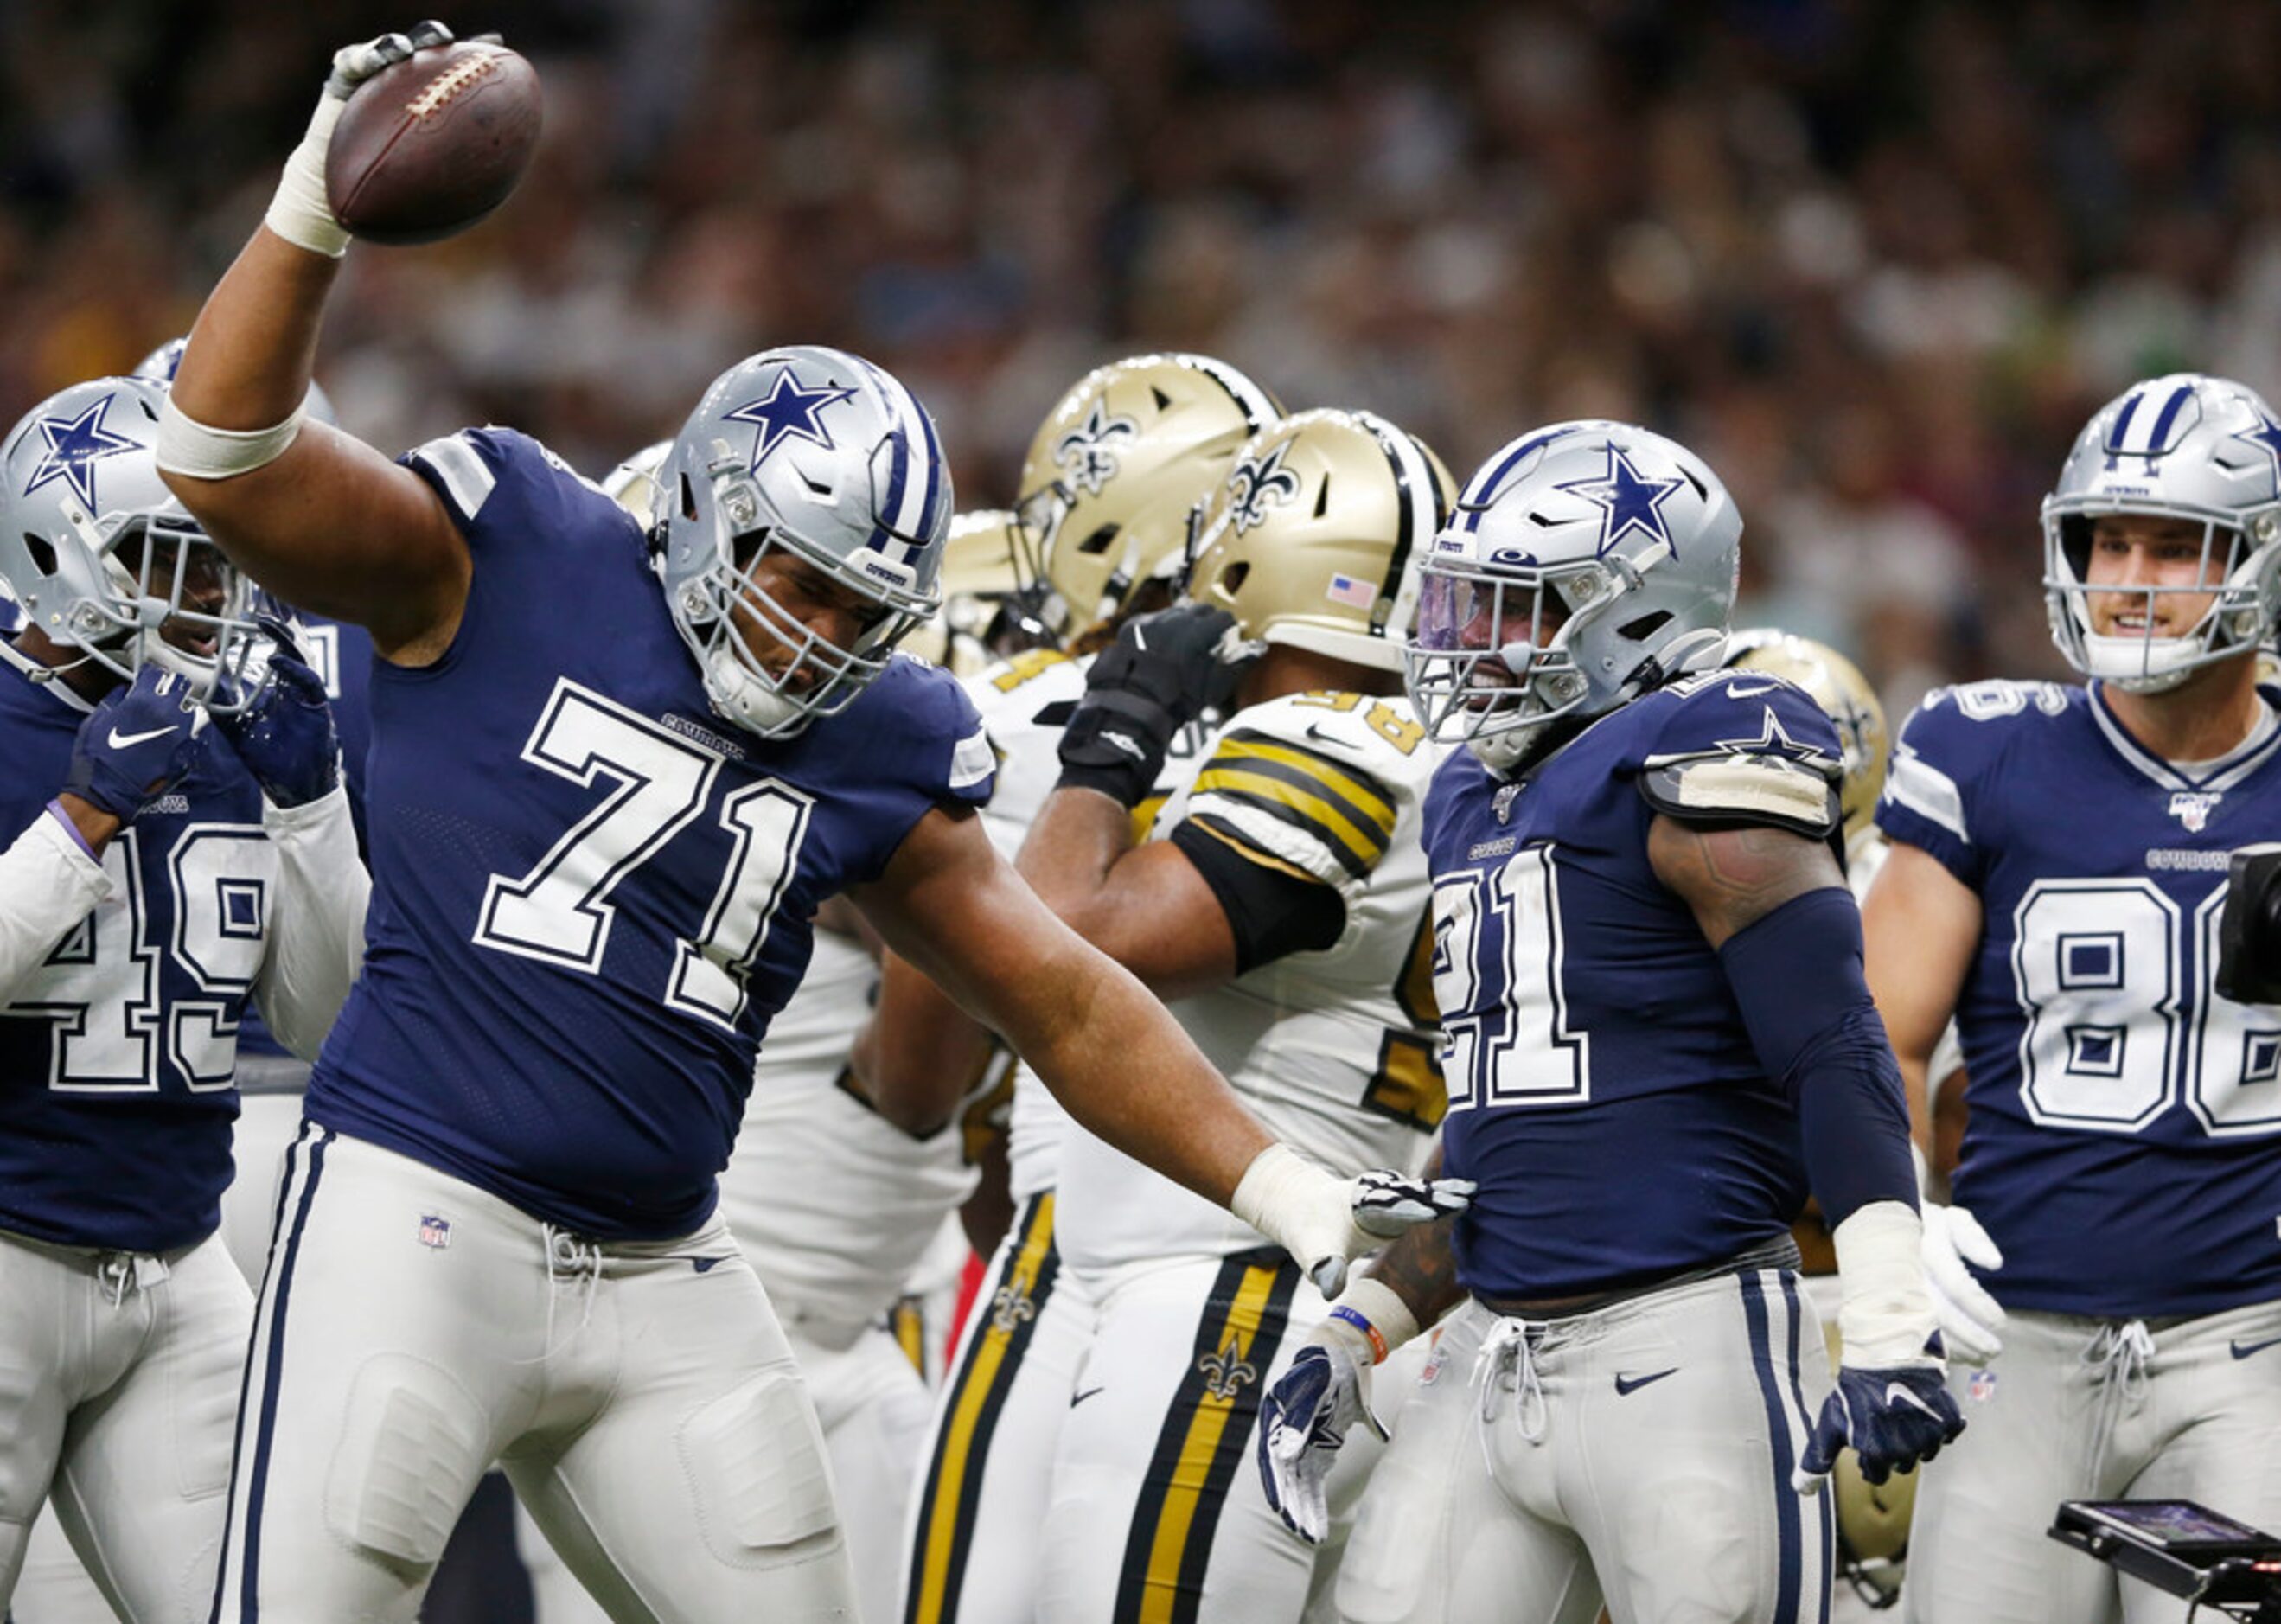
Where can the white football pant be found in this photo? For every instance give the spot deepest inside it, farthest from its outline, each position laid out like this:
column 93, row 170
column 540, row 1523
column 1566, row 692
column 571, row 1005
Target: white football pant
column 1640, row 1456
column 2188, row 1412
column 119, row 1376
column 973, row 1545
column 413, row 1329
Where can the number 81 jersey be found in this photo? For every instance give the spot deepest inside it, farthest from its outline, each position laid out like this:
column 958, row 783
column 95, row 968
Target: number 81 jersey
column 2122, row 1141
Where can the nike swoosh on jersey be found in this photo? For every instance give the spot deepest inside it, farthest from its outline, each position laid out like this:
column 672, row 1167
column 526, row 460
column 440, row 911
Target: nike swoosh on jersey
column 1633, row 1384
column 1320, row 737
column 2240, row 1353
column 1735, row 690
column 120, row 741
column 1077, row 1398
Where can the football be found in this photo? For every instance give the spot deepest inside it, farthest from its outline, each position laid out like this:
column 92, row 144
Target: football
column 428, row 147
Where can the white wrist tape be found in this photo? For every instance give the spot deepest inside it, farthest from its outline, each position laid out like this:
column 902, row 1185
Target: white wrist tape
column 1391, row 1322
column 1296, row 1205
column 301, row 213
column 1884, row 1310
column 189, row 446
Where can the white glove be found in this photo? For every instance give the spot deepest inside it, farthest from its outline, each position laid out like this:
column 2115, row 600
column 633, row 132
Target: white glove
column 1324, row 1220
column 301, row 213
column 1954, row 1245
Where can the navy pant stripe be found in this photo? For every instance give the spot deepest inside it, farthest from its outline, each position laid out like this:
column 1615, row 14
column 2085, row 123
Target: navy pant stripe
column 1825, row 1507
column 273, row 1363
column 1787, row 1511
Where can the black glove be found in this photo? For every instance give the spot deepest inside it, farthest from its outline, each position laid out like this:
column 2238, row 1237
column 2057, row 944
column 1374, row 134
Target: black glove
column 1163, row 671
column 285, row 734
column 2249, row 930
column 135, row 745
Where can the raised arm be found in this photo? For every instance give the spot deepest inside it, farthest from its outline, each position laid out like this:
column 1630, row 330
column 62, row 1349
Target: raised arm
column 314, row 515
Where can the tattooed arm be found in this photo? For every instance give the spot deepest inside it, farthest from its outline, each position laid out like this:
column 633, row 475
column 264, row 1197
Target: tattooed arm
column 1420, row 1265
column 1734, row 878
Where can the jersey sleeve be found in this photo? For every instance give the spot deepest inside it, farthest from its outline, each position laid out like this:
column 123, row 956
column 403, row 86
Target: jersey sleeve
column 504, row 489
column 1744, row 748
column 1944, row 750
column 1304, row 787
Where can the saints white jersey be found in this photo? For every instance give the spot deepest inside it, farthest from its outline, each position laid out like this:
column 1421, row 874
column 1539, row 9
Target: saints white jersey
column 833, row 1204
column 1334, row 1051
column 1025, row 702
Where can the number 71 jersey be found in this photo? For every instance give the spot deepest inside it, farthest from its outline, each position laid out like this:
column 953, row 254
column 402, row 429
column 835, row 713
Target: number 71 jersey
column 591, row 894
column 2122, row 1143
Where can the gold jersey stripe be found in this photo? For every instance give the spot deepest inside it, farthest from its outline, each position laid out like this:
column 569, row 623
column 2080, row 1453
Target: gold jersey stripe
column 1356, row 848
column 1357, row 790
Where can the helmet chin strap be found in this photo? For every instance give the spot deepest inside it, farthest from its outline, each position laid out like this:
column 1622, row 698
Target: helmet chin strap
column 2140, row 665
column 742, row 697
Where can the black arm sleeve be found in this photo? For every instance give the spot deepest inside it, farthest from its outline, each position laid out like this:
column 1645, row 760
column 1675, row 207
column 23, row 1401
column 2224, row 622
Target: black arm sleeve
column 1272, row 912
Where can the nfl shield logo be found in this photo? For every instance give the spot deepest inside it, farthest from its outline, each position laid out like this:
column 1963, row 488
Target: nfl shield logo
column 2192, row 808
column 434, row 1231
column 1982, row 1387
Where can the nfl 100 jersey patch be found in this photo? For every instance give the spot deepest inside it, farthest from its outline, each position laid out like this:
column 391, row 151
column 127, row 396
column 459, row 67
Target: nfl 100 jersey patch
column 2123, row 1116
column 1587, row 1028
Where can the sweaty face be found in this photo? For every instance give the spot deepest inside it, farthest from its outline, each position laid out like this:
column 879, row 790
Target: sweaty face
column 2133, row 552
column 812, row 604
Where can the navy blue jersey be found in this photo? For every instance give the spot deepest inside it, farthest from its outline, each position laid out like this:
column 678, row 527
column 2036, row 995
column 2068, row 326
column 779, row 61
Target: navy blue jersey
column 1603, row 1090
column 116, row 1055
column 2122, row 1145
column 342, row 655
column 591, row 894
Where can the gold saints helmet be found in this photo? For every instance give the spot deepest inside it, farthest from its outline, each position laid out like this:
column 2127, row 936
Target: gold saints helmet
column 633, row 484
column 981, row 619
column 1115, row 475
column 1311, row 540
column 1835, row 684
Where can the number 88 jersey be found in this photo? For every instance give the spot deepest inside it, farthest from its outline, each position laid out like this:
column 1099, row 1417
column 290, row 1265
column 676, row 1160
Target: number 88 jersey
column 2120, row 1143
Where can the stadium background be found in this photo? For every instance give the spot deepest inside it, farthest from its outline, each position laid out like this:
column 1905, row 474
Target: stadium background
column 1876, row 262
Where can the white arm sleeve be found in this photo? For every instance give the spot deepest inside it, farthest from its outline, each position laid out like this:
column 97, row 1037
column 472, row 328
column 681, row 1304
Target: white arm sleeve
column 316, row 934
column 48, row 884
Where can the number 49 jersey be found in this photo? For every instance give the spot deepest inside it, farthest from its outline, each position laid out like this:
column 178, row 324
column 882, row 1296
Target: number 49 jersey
column 117, row 1053
column 2122, row 1145
column 1603, row 1089
column 591, row 894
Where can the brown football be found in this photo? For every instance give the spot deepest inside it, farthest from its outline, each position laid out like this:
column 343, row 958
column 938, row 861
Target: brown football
column 431, row 145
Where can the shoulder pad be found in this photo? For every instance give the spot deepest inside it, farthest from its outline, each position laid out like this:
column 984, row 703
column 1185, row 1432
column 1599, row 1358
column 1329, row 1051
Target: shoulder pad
column 1745, row 747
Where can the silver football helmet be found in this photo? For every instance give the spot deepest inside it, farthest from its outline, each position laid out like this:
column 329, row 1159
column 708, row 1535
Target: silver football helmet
column 1585, row 564
column 818, row 454
column 633, row 484
column 163, row 363
column 97, row 551
column 2204, row 450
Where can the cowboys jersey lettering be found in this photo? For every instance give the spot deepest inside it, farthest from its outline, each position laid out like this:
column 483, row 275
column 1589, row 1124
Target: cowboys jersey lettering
column 2121, row 1150
column 1332, row 1049
column 591, row 895
column 1587, row 1027
column 1024, row 704
column 116, row 1054
column 833, row 1204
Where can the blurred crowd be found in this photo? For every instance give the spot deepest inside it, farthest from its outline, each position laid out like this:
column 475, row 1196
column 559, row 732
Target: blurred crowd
column 1875, row 261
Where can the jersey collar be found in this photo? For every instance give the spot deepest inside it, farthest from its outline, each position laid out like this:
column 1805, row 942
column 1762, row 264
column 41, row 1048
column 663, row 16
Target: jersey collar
column 2222, row 774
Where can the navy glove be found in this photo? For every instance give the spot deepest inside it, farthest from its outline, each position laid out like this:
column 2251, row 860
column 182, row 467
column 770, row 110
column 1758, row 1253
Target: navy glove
column 1893, row 1418
column 285, row 734
column 138, row 743
column 1163, row 671
column 1303, row 1420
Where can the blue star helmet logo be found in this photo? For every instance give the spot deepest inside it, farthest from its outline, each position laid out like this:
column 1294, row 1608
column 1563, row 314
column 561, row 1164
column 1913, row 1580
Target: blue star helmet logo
column 2266, row 437
column 788, row 410
column 1627, row 501
column 75, row 445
